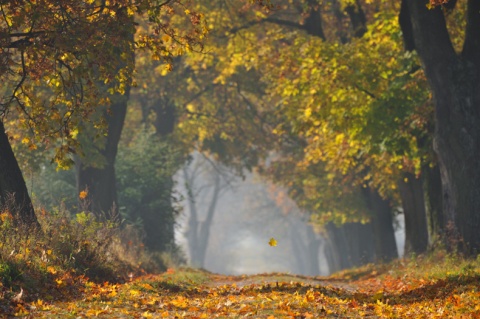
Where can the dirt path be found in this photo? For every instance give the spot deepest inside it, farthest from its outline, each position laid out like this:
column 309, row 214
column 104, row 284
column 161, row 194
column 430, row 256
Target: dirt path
column 276, row 278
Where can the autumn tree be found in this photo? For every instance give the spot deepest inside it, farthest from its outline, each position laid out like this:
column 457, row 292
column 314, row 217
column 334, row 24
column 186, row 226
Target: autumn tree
column 54, row 54
column 452, row 72
column 349, row 124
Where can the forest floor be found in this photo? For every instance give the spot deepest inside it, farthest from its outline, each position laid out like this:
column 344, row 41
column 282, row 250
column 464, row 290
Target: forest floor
column 422, row 287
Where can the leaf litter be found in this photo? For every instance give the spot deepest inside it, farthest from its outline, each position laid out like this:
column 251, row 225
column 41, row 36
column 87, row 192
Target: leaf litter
column 194, row 294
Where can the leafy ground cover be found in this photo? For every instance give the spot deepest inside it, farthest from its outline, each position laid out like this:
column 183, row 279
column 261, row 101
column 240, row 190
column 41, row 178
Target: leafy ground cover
column 438, row 286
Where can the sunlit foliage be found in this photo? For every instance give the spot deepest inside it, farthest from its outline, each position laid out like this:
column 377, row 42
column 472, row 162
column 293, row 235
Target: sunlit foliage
column 54, row 55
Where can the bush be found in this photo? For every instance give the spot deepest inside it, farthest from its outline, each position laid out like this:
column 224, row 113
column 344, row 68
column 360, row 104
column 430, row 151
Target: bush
column 81, row 245
column 145, row 184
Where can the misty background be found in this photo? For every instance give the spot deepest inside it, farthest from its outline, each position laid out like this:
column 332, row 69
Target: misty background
column 238, row 214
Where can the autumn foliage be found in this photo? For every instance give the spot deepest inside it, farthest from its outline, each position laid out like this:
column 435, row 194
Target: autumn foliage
column 438, row 286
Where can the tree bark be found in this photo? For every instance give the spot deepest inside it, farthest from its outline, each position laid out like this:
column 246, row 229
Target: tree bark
column 413, row 203
column 13, row 190
column 455, row 83
column 435, row 214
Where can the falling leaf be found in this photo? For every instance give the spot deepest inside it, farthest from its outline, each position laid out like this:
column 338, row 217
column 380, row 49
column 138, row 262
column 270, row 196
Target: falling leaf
column 272, row 242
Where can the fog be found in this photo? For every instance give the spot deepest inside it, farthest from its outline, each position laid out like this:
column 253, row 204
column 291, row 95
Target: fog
column 245, row 212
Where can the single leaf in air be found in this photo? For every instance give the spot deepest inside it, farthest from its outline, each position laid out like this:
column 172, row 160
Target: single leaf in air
column 272, row 242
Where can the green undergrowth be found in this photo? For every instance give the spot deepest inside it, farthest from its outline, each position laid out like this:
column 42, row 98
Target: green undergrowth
column 435, row 265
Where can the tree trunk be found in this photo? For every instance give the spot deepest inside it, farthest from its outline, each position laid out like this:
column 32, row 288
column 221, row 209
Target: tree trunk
column 413, row 203
column 360, row 243
column 13, row 190
column 382, row 223
column 435, row 214
column 455, row 82
column 352, row 243
column 101, row 182
column 339, row 247
column 192, row 232
column 204, row 231
column 339, row 251
column 331, row 254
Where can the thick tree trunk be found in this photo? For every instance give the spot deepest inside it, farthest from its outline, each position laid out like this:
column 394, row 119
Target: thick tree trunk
column 13, row 190
column 413, row 203
column 455, row 82
column 382, row 222
column 101, row 182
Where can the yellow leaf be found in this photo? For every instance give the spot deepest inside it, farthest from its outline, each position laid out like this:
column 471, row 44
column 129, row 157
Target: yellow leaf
column 51, row 270
column 272, row 242
column 166, row 38
column 83, row 194
column 147, row 314
column 134, row 292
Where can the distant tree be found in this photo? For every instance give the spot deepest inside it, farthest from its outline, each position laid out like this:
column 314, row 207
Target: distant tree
column 205, row 181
